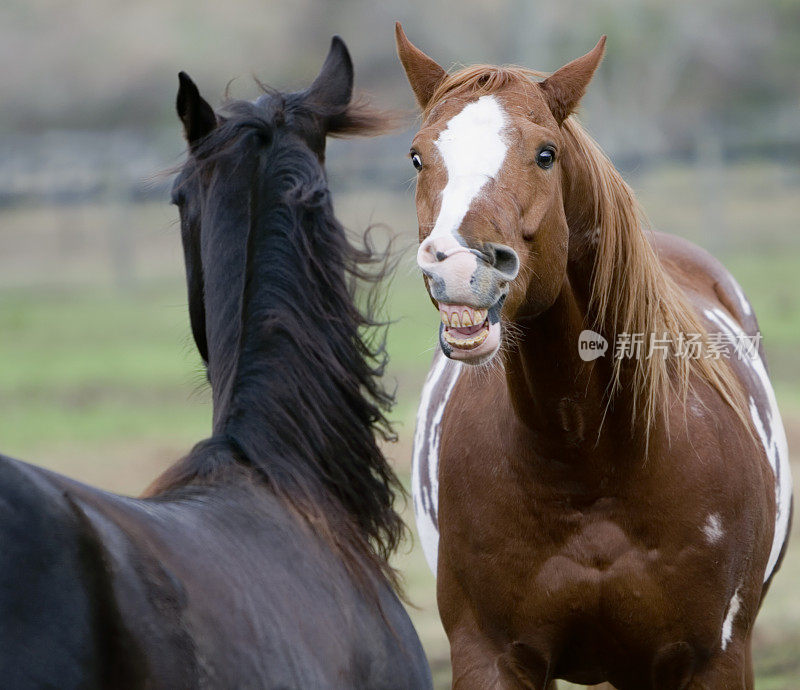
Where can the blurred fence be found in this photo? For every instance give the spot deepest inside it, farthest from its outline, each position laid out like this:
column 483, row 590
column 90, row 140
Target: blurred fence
column 93, row 205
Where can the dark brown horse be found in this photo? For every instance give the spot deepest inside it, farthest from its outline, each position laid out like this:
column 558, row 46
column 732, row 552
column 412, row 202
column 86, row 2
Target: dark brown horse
column 593, row 518
column 260, row 559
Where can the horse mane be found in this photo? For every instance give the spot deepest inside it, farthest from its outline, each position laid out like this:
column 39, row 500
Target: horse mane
column 294, row 342
column 630, row 290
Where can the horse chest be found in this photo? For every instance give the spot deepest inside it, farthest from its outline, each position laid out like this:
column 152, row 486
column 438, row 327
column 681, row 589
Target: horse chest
column 548, row 558
column 577, row 588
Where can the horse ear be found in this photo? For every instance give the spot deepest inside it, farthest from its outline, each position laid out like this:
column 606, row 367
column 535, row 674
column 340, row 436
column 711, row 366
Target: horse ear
column 564, row 88
column 423, row 73
column 333, row 87
column 196, row 114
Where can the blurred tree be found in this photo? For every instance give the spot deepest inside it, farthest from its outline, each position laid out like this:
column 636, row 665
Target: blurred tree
column 672, row 68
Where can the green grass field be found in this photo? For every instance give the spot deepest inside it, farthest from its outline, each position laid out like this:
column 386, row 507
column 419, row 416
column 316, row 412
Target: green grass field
column 103, row 383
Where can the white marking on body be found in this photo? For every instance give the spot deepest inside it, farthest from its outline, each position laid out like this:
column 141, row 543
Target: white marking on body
column 424, row 403
column 744, row 304
column 473, row 149
column 713, row 528
column 727, row 624
column 428, row 535
column 773, row 438
column 428, row 448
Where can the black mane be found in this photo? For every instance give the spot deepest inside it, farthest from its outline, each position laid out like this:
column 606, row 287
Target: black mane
column 294, row 364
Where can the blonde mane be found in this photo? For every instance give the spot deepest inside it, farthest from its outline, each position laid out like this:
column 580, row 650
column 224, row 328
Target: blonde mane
column 630, row 290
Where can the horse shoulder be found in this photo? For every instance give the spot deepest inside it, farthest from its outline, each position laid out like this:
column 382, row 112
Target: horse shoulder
column 142, row 600
column 55, row 569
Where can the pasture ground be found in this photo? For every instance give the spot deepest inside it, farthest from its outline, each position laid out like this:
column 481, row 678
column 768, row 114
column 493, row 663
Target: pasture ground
column 99, row 378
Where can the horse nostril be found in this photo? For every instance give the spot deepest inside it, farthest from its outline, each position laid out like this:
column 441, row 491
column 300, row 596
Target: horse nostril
column 441, row 256
column 426, row 254
column 504, row 259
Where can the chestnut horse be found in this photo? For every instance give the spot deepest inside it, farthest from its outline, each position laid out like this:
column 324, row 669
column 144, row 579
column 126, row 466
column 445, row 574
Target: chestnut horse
column 591, row 518
column 260, row 559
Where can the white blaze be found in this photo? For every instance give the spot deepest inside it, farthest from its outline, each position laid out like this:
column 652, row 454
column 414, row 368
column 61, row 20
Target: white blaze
column 473, row 149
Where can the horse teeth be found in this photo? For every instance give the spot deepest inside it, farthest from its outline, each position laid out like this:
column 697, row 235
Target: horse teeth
column 466, row 343
column 464, row 317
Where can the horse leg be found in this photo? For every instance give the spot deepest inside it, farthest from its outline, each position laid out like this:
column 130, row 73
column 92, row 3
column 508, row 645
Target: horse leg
column 474, row 671
column 472, row 659
column 730, row 670
column 749, row 676
column 477, row 665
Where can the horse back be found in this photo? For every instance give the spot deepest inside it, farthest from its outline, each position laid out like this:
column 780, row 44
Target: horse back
column 722, row 304
column 224, row 587
column 704, row 279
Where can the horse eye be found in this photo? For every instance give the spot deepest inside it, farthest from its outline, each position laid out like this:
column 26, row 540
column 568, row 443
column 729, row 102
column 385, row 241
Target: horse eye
column 416, row 161
column 545, row 158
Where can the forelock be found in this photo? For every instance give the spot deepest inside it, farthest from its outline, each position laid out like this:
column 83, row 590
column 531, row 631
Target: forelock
column 481, row 80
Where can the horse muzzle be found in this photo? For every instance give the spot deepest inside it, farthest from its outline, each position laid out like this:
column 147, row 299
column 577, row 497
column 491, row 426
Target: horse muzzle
column 470, row 286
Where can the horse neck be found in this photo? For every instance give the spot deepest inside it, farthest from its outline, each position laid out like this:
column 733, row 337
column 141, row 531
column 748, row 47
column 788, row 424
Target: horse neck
column 257, row 370
column 277, row 337
column 554, row 392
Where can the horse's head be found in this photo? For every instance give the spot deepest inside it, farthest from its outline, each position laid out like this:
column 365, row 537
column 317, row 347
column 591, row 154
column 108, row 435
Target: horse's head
column 493, row 231
column 255, row 150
